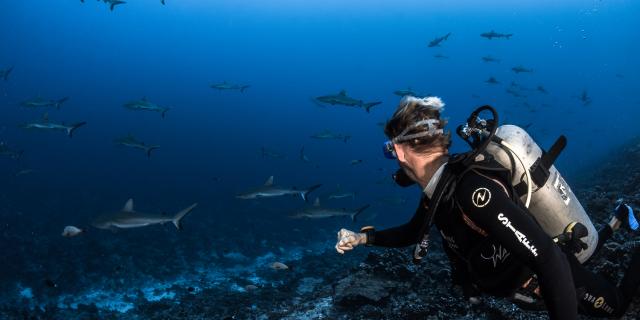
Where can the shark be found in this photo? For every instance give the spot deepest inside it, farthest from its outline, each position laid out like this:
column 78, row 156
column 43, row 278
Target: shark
column 519, row 69
column 128, row 218
column 436, row 42
column 268, row 190
column 492, row 34
column 4, row 74
column 328, row 135
column 340, row 194
column 132, row 142
column 341, row 98
column 318, row 212
column 45, row 124
column 492, row 80
column 146, row 105
column 8, row 152
column 112, row 3
column 230, row 86
column 39, row 102
column 490, row 59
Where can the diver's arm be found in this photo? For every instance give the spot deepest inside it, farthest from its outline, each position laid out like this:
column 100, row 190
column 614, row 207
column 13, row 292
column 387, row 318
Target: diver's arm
column 486, row 203
column 403, row 235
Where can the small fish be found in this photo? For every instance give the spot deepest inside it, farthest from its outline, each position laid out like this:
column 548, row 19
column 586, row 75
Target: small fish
column 279, row 266
column 436, row 42
column 357, row 161
column 71, row 231
column 440, row 56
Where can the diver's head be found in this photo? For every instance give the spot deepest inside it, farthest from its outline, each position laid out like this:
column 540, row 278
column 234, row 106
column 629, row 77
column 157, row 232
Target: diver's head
column 417, row 138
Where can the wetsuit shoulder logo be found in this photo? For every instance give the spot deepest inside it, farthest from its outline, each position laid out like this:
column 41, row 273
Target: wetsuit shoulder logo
column 481, row 197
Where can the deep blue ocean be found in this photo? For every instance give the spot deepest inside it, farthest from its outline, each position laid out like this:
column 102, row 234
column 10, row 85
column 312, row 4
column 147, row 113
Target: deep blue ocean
column 215, row 144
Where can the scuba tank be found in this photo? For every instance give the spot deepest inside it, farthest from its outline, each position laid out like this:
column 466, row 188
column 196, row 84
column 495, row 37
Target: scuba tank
column 535, row 179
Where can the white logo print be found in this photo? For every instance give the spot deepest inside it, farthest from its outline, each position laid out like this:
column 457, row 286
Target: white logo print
column 519, row 235
column 481, row 197
column 499, row 255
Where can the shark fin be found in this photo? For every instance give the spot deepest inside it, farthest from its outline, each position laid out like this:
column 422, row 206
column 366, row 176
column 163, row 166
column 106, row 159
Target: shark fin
column 178, row 217
column 73, row 128
column 343, row 93
column 45, row 117
column 269, row 182
column 317, row 202
column 305, row 193
column 128, row 207
column 359, row 211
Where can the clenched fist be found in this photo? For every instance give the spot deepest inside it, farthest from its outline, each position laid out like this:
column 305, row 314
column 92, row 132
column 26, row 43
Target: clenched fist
column 348, row 239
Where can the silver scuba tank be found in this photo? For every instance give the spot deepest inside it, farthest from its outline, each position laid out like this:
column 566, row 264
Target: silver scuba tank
column 553, row 204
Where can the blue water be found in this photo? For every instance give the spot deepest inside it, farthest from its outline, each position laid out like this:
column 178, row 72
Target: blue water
column 288, row 52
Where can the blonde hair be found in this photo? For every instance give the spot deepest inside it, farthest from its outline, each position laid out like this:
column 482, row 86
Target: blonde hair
column 412, row 110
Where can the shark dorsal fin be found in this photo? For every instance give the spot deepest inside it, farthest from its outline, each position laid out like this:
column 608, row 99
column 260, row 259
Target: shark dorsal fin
column 269, row 182
column 343, row 93
column 144, row 98
column 45, row 117
column 128, row 207
column 317, row 202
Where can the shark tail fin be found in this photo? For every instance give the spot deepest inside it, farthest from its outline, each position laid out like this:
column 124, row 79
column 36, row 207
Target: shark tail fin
column 178, row 217
column 346, row 138
column 164, row 111
column 114, row 4
column 60, row 102
column 359, row 211
column 149, row 149
column 243, row 87
column 306, row 193
column 369, row 105
column 74, row 127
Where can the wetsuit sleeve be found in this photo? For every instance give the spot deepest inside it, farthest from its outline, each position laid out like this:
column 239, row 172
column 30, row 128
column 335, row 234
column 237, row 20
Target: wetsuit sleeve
column 486, row 203
column 403, row 235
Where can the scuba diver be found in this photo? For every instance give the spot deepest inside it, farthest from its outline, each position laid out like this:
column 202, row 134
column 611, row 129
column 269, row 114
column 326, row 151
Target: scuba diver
column 509, row 229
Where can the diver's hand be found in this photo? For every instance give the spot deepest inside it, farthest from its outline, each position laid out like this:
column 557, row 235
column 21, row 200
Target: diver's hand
column 348, row 239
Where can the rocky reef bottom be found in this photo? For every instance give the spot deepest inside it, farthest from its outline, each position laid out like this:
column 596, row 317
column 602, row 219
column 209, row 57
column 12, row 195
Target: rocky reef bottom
column 368, row 283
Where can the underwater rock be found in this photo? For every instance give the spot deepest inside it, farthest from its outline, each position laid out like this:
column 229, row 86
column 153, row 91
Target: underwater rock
column 360, row 289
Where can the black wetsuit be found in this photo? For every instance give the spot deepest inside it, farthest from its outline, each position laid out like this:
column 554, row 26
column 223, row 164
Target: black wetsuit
column 493, row 243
